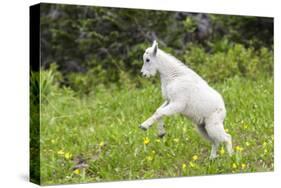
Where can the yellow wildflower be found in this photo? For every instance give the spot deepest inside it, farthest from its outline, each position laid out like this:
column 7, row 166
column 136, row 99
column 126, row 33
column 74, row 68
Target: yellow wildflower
column 67, row 155
column 183, row 166
column 60, row 152
column 222, row 151
column 195, row 157
column 146, row 140
column 191, row 164
column 77, row 171
column 238, row 148
column 264, row 144
column 245, row 126
column 243, row 166
column 234, row 165
column 101, row 144
column 149, row 158
column 53, row 141
column 247, row 144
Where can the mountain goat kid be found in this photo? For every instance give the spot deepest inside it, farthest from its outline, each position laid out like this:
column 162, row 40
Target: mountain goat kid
column 185, row 92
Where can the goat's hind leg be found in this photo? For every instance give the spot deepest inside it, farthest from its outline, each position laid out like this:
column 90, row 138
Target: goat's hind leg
column 218, row 135
column 202, row 130
column 229, row 144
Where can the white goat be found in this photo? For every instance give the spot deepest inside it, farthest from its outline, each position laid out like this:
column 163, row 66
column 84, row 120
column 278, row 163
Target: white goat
column 185, row 92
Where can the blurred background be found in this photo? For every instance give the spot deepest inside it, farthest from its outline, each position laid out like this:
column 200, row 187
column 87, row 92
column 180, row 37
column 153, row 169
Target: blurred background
column 95, row 45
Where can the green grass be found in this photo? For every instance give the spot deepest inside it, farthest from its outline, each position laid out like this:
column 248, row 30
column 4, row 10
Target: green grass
column 102, row 129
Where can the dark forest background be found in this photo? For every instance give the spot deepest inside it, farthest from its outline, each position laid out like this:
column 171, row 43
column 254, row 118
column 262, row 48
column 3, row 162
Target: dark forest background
column 95, row 45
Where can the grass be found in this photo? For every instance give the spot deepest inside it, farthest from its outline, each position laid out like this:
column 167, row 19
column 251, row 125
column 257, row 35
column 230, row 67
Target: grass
column 96, row 138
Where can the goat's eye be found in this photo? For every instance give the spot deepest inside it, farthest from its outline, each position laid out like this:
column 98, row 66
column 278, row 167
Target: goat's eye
column 147, row 60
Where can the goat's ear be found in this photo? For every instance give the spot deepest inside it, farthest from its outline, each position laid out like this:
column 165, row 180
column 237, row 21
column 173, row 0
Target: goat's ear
column 154, row 47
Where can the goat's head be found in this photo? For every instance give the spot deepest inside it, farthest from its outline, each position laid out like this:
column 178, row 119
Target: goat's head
column 149, row 67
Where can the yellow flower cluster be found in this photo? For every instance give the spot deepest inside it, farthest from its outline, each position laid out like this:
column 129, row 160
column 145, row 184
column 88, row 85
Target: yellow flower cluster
column 149, row 158
column 191, row 164
column 245, row 126
column 183, row 166
column 146, row 140
column 235, row 166
column 67, row 155
column 101, row 144
column 60, row 152
column 239, row 149
column 195, row 157
column 77, row 171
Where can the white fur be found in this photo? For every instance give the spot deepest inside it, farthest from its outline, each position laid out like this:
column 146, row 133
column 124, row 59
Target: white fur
column 185, row 92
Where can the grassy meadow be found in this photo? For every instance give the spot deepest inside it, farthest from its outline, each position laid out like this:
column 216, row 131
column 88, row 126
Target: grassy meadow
column 95, row 137
column 86, row 81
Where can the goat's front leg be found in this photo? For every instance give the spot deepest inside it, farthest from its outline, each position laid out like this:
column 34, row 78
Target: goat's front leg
column 145, row 125
column 161, row 129
column 166, row 110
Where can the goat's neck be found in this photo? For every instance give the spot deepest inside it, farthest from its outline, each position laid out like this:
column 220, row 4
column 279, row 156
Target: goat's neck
column 168, row 72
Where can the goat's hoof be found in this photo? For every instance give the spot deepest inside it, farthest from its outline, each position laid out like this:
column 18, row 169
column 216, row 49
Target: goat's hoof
column 143, row 128
column 161, row 135
column 212, row 157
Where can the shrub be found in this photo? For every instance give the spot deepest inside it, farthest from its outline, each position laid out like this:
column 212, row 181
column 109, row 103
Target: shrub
column 44, row 83
column 236, row 61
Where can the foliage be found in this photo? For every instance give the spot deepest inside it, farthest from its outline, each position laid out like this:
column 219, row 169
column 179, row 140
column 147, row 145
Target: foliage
column 249, row 30
column 101, row 42
column 101, row 131
column 227, row 61
column 34, row 141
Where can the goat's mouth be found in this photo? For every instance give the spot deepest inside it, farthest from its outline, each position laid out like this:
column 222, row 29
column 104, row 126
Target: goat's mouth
column 145, row 74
